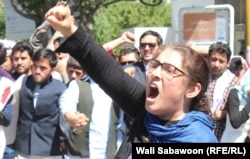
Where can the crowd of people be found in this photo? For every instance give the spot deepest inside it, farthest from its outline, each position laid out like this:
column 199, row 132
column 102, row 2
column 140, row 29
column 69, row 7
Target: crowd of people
column 69, row 98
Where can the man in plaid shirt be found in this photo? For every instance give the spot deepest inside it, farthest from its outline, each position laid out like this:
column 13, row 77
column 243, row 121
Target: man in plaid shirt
column 221, row 79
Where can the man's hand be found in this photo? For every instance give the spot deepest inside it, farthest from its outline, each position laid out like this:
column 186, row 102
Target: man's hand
column 128, row 37
column 220, row 114
column 130, row 71
column 77, row 120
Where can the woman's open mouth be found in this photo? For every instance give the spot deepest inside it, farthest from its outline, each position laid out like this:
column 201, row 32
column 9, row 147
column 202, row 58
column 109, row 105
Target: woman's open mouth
column 153, row 91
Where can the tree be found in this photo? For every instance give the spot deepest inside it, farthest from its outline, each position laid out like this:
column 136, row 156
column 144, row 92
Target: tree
column 110, row 21
column 104, row 18
column 84, row 10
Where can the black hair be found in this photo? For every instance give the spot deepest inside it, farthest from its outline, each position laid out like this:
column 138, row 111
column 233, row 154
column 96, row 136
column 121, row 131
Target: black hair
column 22, row 46
column 45, row 54
column 72, row 62
column 153, row 33
column 220, row 48
column 128, row 50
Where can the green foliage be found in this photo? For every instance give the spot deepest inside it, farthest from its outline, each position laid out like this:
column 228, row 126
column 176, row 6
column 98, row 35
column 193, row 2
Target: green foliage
column 2, row 20
column 110, row 21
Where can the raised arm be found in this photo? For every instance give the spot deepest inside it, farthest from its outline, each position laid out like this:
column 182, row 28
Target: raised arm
column 126, row 37
column 100, row 66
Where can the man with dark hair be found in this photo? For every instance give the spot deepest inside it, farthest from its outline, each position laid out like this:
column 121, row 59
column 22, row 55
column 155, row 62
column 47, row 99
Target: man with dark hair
column 149, row 45
column 221, row 79
column 150, row 42
column 21, row 59
column 44, row 102
column 95, row 140
column 129, row 55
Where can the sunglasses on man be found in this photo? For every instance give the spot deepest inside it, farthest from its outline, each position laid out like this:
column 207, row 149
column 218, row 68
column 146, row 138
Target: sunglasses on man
column 150, row 45
column 127, row 62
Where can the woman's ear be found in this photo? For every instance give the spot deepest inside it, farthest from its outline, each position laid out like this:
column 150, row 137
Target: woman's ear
column 193, row 91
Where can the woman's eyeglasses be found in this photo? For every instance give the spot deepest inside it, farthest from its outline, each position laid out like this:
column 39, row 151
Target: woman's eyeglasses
column 127, row 62
column 150, row 45
column 168, row 71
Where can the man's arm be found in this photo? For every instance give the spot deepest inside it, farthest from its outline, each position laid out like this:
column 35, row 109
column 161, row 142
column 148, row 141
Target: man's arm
column 126, row 37
column 68, row 107
column 102, row 68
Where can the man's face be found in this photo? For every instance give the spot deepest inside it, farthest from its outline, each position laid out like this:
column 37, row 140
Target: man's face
column 41, row 70
column 218, row 63
column 75, row 73
column 148, row 47
column 21, row 62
